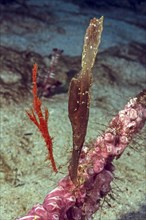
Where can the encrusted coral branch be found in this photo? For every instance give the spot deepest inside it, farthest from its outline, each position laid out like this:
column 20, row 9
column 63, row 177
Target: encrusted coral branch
column 40, row 120
column 95, row 171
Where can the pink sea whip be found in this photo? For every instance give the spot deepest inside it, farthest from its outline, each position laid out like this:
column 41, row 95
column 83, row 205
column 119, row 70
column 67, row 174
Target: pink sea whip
column 95, row 171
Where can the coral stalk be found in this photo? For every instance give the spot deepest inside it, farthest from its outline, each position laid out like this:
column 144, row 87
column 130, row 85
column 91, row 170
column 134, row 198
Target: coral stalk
column 95, row 171
column 40, row 120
